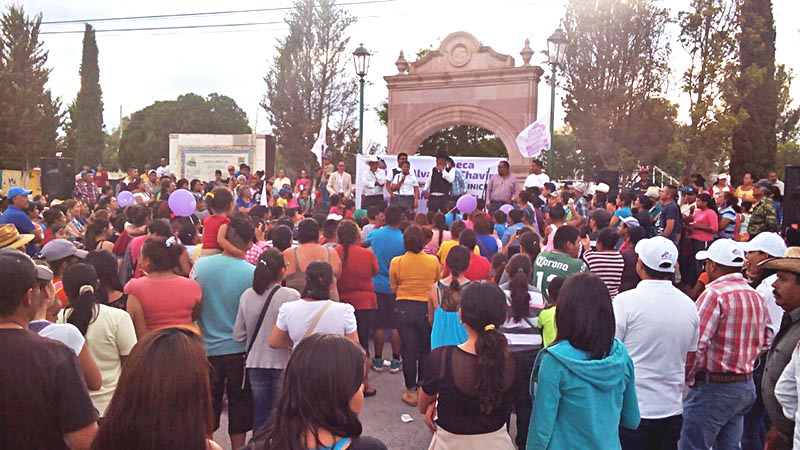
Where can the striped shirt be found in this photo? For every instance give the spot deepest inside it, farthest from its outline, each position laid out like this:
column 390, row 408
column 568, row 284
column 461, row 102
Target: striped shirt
column 733, row 327
column 608, row 266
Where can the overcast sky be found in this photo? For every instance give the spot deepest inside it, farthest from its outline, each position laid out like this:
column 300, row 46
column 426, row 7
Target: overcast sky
column 138, row 68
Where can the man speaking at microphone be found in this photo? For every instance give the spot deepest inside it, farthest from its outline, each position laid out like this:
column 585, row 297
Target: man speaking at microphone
column 502, row 188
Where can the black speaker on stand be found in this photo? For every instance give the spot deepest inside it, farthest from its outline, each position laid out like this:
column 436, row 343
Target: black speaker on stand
column 58, row 177
column 791, row 197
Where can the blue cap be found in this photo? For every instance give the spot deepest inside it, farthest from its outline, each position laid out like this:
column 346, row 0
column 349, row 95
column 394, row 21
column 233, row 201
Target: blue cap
column 16, row 190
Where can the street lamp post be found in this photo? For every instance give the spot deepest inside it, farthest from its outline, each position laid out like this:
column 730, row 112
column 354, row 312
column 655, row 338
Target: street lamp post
column 556, row 49
column 361, row 61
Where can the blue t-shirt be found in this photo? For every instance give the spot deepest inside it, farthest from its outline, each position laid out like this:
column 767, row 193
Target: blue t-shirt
column 386, row 243
column 223, row 280
column 240, row 203
column 487, row 244
column 621, row 214
column 500, row 229
column 20, row 219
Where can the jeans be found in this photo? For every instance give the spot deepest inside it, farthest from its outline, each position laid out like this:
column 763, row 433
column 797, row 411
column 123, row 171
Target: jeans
column 652, row 434
column 523, row 404
column 266, row 386
column 713, row 415
column 415, row 339
column 325, row 196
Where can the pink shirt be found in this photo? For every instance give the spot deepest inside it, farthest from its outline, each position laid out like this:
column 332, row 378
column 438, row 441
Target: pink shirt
column 707, row 218
column 165, row 302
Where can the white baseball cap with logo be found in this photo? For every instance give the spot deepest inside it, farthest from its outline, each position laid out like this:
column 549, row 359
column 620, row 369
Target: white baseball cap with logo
column 769, row 243
column 726, row 252
column 658, row 253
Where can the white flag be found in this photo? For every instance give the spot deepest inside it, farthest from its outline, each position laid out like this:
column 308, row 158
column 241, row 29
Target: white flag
column 320, row 145
column 264, row 197
column 534, row 139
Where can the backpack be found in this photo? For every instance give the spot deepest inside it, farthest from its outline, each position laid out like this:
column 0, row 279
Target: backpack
column 459, row 184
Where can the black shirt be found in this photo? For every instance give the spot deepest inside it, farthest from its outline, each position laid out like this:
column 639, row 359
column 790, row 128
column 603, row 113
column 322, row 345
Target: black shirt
column 453, row 374
column 44, row 396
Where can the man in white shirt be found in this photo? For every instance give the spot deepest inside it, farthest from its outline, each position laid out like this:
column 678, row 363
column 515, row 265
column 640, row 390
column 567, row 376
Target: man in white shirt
column 406, row 186
column 536, row 177
column 372, row 184
column 340, row 183
column 401, row 158
column 163, row 169
column 772, row 176
column 659, row 326
column 282, row 180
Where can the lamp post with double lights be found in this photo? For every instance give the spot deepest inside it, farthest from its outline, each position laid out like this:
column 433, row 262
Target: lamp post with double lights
column 361, row 61
column 556, row 50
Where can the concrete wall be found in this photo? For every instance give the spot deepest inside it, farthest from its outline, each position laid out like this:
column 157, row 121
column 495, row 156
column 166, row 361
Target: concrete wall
column 199, row 155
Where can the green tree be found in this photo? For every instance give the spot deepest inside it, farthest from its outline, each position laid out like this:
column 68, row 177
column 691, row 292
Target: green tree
column 146, row 136
column 616, row 68
column 708, row 34
column 754, row 140
column 310, row 81
column 29, row 115
column 86, row 143
column 787, row 126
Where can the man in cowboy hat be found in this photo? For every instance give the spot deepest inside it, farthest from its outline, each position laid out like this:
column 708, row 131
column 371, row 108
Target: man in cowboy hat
column 10, row 237
column 787, row 296
column 372, row 183
column 16, row 215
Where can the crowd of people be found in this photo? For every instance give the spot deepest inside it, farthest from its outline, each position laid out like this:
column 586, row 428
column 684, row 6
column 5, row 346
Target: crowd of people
column 658, row 317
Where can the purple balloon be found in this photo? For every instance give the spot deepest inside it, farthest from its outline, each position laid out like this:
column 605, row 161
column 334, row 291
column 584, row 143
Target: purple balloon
column 467, row 203
column 506, row 208
column 182, row 203
column 125, row 199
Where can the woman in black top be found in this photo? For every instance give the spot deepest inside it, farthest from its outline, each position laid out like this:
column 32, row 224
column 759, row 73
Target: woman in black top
column 473, row 381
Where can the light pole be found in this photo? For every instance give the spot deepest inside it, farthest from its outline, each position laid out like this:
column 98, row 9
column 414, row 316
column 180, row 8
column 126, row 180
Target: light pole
column 361, row 61
column 556, row 49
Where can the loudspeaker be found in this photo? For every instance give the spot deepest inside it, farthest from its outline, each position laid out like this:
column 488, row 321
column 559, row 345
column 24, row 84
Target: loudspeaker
column 269, row 170
column 611, row 178
column 58, row 177
column 791, row 196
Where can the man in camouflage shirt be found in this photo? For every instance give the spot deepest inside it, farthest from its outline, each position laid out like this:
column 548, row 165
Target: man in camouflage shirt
column 764, row 216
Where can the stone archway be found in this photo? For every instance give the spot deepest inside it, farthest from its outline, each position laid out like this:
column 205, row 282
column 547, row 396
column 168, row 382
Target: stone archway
column 462, row 83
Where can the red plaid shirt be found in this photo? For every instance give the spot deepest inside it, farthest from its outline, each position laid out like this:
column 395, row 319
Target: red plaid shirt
column 87, row 192
column 733, row 326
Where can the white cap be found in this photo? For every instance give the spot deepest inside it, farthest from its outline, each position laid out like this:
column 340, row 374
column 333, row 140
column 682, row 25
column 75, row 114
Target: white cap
column 725, row 252
column 658, row 253
column 602, row 187
column 372, row 159
column 630, row 221
column 722, row 176
column 769, row 243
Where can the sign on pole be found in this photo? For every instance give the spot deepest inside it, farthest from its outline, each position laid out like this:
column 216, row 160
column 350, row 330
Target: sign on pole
column 534, row 139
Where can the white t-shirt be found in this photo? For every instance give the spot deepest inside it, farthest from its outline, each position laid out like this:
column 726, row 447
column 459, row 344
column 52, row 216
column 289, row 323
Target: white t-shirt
column 659, row 325
column 142, row 195
column 536, row 302
column 407, row 188
column 110, row 336
column 297, row 317
column 66, row 333
column 536, row 180
column 775, row 311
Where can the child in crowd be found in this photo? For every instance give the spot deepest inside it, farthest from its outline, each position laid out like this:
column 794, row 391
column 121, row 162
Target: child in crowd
column 202, row 209
column 499, row 261
column 215, row 226
column 443, row 301
column 335, row 207
column 304, row 202
column 547, row 317
column 283, row 198
column 500, row 222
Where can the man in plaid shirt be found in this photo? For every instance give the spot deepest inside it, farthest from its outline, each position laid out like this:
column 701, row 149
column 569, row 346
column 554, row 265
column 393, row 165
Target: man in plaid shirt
column 86, row 190
column 733, row 332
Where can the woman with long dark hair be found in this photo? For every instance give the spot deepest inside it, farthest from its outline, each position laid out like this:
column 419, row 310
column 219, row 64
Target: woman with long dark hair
column 705, row 225
column 155, row 405
column 584, row 381
column 469, row 386
column 316, row 313
column 443, row 301
column 440, row 234
column 321, row 398
column 97, row 233
column 109, row 332
column 524, row 336
column 110, row 290
column 355, row 287
column 264, row 364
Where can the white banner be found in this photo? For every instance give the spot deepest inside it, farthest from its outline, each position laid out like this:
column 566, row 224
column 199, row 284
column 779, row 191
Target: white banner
column 534, row 139
column 476, row 172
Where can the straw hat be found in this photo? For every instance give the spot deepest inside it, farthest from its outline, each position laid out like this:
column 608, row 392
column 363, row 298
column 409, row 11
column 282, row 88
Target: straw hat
column 790, row 262
column 10, row 237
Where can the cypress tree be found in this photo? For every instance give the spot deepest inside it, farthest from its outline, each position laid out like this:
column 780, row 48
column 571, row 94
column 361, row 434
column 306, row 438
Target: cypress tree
column 87, row 112
column 754, row 140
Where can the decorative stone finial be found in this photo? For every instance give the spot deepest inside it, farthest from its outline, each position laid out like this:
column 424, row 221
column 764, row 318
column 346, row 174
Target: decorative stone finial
column 401, row 63
column 526, row 53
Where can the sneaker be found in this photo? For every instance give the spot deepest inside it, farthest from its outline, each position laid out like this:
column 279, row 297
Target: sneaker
column 395, row 366
column 410, row 397
column 377, row 364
